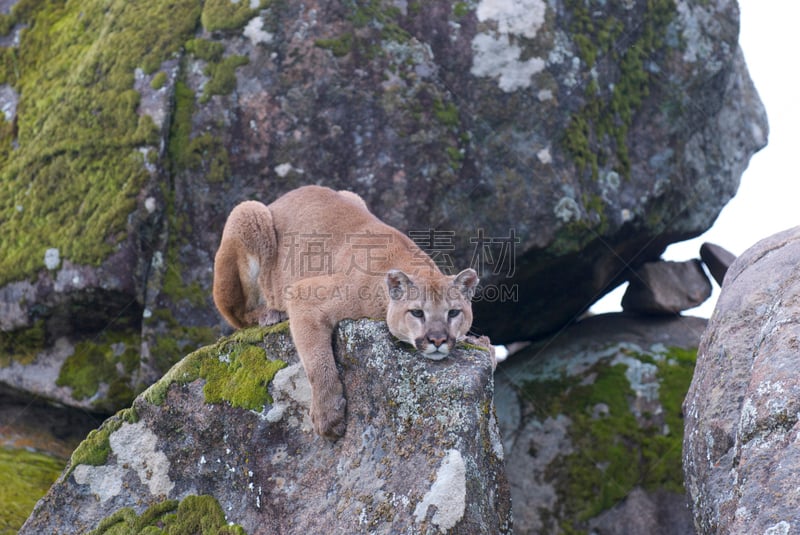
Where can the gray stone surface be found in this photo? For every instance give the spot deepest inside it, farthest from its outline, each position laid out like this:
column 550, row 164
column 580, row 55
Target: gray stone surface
column 740, row 448
column 421, row 453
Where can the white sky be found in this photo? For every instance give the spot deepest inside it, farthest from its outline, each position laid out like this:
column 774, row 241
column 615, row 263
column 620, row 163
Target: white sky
column 768, row 197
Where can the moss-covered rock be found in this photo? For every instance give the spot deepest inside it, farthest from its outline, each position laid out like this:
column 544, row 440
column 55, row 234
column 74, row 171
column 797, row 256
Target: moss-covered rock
column 230, row 423
column 593, row 417
column 235, row 371
column 73, row 179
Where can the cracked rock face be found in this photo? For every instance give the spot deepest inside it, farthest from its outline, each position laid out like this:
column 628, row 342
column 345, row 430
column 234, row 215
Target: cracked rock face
column 421, row 453
column 741, row 457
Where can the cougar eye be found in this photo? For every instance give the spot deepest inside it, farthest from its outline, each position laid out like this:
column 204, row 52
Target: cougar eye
column 417, row 313
column 453, row 313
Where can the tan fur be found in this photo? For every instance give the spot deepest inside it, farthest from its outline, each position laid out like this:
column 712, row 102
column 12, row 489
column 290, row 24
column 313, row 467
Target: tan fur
column 319, row 256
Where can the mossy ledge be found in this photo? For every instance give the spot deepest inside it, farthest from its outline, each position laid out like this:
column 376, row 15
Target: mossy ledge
column 193, row 514
column 236, row 370
column 94, row 450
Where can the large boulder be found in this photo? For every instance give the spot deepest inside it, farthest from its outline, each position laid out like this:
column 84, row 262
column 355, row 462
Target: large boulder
column 740, row 449
column 227, row 430
column 592, row 426
column 547, row 144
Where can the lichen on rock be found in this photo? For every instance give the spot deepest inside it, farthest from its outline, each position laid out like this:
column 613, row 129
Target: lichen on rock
column 594, row 418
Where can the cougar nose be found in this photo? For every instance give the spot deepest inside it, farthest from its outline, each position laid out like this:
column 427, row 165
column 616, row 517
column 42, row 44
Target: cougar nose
column 437, row 339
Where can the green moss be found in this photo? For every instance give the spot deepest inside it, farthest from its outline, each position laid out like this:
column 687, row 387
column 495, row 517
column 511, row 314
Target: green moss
column 255, row 335
column 205, row 49
column 208, row 155
column 7, row 22
column 185, row 371
column 339, row 46
column 455, row 156
column 181, row 128
column 461, row 9
column 675, row 375
column 471, row 347
column 226, row 15
column 204, row 154
column 111, row 358
column 221, row 70
column 235, row 371
column 597, row 135
column 194, row 515
column 22, row 345
column 176, row 339
column 240, row 377
column 64, row 186
column 223, row 76
column 613, row 453
column 94, row 450
column 446, row 113
column 24, row 478
column 159, row 80
column 373, row 21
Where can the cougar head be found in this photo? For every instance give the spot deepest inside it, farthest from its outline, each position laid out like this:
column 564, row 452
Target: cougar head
column 431, row 313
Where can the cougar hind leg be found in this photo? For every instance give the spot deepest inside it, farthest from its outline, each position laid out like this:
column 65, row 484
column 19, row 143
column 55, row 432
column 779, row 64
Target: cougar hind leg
column 247, row 252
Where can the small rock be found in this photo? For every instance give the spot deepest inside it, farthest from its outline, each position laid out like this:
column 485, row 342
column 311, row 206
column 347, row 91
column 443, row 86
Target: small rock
column 52, row 258
column 666, row 288
column 657, row 513
column 717, row 260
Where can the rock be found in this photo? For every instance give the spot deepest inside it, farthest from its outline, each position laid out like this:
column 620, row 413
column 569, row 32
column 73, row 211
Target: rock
column 717, row 260
column 740, row 456
column 592, row 426
column 666, row 288
column 655, row 513
column 529, row 141
column 421, row 453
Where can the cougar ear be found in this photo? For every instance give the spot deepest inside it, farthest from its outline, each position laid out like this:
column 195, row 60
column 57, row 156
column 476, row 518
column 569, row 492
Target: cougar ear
column 466, row 282
column 398, row 284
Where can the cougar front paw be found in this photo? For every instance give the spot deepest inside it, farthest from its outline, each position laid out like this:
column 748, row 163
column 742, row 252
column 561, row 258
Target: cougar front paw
column 328, row 419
